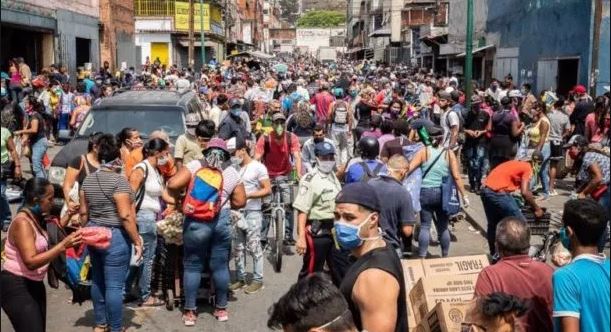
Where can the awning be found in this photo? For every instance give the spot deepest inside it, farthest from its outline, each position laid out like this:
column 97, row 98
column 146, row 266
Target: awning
column 433, row 39
column 252, row 54
column 197, row 43
column 380, row 33
column 477, row 50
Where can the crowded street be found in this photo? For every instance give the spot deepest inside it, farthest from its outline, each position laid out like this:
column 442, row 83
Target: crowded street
column 305, row 166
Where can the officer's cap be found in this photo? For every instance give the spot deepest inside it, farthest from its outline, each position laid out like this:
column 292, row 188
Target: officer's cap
column 324, row 149
column 359, row 193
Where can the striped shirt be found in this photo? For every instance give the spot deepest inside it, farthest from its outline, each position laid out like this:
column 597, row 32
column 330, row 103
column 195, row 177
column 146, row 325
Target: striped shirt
column 99, row 188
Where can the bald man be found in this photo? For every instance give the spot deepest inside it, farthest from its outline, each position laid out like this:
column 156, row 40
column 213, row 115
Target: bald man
column 396, row 211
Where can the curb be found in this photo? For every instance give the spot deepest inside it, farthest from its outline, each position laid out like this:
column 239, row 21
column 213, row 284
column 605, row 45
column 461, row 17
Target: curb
column 469, row 218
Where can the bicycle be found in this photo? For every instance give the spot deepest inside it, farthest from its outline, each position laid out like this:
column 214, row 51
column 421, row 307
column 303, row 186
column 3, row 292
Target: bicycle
column 276, row 212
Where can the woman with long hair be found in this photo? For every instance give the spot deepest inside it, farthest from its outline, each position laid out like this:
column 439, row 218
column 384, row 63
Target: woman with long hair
column 436, row 163
column 27, row 258
column 148, row 184
column 35, row 136
column 106, row 201
column 538, row 139
column 597, row 122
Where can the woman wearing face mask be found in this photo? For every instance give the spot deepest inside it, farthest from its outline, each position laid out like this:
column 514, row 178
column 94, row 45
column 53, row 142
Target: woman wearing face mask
column 435, row 162
column 538, row 139
column 27, row 258
column 593, row 177
column 148, row 185
column 78, row 169
column 106, row 200
column 131, row 149
column 36, row 136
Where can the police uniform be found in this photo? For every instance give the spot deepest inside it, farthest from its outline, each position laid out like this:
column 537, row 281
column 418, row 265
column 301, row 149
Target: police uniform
column 316, row 198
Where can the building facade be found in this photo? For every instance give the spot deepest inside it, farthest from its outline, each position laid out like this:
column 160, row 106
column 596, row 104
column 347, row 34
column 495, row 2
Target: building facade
column 51, row 32
column 309, row 5
column 117, row 33
column 309, row 40
column 162, row 30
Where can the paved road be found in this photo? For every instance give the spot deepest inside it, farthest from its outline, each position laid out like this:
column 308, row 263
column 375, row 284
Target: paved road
column 247, row 312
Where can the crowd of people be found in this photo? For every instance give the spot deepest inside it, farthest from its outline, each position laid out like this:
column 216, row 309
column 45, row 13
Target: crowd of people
column 377, row 154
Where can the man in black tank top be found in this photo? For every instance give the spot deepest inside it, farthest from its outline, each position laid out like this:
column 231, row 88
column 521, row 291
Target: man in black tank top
column 374, row 285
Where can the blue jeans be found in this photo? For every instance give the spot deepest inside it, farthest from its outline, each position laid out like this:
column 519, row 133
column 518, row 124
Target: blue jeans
column 147, row 228
column 247, row 238
column 477, row 156
column 108, row 272
column 430, row 199
column 606, row 204
column 38, row 152
column 497, row 206
column 207, row 243
column 543, row 174
column 5, row 213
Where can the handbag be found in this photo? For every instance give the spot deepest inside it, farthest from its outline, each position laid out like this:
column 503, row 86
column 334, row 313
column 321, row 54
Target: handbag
column 450, row 203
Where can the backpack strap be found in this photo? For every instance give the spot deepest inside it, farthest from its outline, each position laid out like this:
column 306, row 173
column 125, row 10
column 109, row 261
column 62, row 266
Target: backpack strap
column 367, row 170
column 377, row 169
column 431, row 166
column 142, row 188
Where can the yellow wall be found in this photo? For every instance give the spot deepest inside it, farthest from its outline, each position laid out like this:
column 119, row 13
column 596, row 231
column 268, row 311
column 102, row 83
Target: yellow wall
column 160, row 50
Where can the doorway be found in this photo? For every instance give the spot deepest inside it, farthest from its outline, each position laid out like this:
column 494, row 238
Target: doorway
column 83, row 51
column 568, row 75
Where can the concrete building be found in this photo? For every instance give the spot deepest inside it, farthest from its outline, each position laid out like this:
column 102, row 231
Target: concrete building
column 308, row 5
column 43, row 32
column 252, row 22
column 271, row 20
column 283, row 39
column 162, row 27
column 117, row 33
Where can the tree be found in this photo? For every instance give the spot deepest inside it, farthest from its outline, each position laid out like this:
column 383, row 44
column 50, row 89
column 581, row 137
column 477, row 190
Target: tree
column 290, row 9
column 321, row 19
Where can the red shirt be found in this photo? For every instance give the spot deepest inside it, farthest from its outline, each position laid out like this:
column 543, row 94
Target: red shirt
column 322, row 101
column 278, row 157
column 527, row 279
column 509, row 176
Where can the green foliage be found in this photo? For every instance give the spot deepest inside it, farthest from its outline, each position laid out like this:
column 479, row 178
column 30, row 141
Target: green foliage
column 321, row 19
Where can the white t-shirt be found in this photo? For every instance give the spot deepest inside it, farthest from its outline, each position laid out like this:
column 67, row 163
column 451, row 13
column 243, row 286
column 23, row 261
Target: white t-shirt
column 251, row 175
column 215, row 115
column 153, row 187
column 448, row 120
column 231, row 179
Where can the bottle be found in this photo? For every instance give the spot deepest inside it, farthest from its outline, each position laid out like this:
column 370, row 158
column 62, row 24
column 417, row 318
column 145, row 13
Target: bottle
column 424, row 136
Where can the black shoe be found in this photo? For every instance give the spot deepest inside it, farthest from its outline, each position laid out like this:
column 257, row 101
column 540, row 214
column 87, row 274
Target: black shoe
column 289, row 242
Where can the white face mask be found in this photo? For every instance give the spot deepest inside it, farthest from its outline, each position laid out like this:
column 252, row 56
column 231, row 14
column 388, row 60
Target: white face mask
column 162, row 161
column 326, row 166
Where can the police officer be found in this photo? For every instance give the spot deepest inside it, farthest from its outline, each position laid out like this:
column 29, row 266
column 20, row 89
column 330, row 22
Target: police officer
column 315, row 204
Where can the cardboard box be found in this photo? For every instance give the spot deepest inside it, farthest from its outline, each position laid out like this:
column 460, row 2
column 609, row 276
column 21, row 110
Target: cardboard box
column 455, row 265
column 412, row 272
column 446, row 317
column 419, row 328
column 434, row 289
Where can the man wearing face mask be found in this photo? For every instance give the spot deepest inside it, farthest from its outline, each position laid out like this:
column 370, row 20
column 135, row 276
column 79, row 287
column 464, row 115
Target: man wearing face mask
column 308, row 154
column 493, row 91
column 236, row 123
column 374, row 308
column 189, row 146
column 315, row 206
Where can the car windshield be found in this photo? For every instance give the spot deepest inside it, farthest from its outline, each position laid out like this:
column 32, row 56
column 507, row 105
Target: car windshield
column 145, row 120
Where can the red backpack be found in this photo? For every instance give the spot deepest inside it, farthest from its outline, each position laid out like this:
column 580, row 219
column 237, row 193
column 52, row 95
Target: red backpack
column 203, row 200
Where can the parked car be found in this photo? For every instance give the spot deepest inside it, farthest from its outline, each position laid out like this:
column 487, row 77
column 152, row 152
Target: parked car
column 146, row 111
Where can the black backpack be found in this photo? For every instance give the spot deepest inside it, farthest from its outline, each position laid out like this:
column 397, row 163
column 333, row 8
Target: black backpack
column 368, row 173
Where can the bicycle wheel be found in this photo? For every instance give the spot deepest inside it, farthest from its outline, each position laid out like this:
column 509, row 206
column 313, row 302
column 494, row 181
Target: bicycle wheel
column 279, row 228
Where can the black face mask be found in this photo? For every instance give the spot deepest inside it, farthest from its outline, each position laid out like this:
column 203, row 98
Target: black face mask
column 318, row 140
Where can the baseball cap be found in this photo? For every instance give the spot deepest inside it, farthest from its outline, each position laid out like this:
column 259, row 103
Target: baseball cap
column 235, row 143
column 235, row 102
column 278, row 116
column 444, row 95
column 576, row 140
column 359, row 193
column 192, row 119
column 579, row 89
column 324, row 149
column 431, row 128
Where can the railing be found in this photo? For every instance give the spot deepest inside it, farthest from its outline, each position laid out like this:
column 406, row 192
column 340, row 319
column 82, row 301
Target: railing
column 154, row 8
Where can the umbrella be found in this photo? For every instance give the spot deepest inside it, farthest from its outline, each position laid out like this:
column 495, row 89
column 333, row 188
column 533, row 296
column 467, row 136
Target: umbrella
column 281, row 68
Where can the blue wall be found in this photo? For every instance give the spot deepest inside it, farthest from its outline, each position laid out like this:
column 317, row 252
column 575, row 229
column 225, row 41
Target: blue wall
column 543, row 29
column 603, row 56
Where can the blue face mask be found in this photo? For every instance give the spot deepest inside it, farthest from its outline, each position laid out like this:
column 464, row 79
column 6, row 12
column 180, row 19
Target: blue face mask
column 348, row 236
column 564, row 238
column 235, row 111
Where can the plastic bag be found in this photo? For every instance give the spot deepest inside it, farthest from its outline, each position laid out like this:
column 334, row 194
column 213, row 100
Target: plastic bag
column 171, row 228
column 97, row 237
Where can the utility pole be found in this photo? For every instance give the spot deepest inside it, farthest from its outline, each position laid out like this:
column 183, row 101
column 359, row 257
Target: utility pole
column 201, row 31
column 598, row 16
column 469, row 55
column 191, row 41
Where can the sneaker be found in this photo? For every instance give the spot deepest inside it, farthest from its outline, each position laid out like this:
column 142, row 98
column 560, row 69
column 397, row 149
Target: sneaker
column 254, row 287
column 237, row 285
column 289, row 242
column 222, row 315
column 189, row 318
column 553, row 193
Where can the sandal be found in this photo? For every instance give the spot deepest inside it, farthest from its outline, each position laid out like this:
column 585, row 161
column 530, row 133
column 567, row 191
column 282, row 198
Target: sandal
column 101, row 328
column 189, row 318
column 152, row 302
